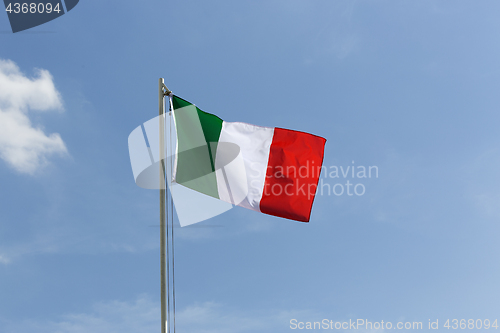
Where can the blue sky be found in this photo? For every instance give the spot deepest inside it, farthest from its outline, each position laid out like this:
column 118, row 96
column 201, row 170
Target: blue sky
column 408, row 86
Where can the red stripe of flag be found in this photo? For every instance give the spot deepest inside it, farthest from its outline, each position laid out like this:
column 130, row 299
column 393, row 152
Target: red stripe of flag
column 292, row 175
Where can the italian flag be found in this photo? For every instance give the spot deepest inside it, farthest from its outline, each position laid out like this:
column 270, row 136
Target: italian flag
column 266, row 169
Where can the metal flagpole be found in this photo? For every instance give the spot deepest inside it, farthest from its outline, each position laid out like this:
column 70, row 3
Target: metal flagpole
column 164, row 234
column 164, row 260
column 163, row 247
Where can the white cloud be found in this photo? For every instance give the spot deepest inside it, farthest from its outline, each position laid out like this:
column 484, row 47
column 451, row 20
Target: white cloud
column 23, row 146
column 105, row 317
column 37, row 245
column 4, row 259
column 211, row 318
column 143, row 315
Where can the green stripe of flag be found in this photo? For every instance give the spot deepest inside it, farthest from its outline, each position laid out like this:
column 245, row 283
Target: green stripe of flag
column 198, row 133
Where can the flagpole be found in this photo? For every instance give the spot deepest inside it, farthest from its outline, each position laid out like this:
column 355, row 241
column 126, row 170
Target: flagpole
column 164, row 235
column 163, row 247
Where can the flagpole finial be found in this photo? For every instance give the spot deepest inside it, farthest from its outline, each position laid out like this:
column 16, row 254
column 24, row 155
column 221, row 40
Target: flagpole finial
column 163, row 87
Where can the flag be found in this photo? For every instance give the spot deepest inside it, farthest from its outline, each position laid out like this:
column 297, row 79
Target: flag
column 266, row 169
